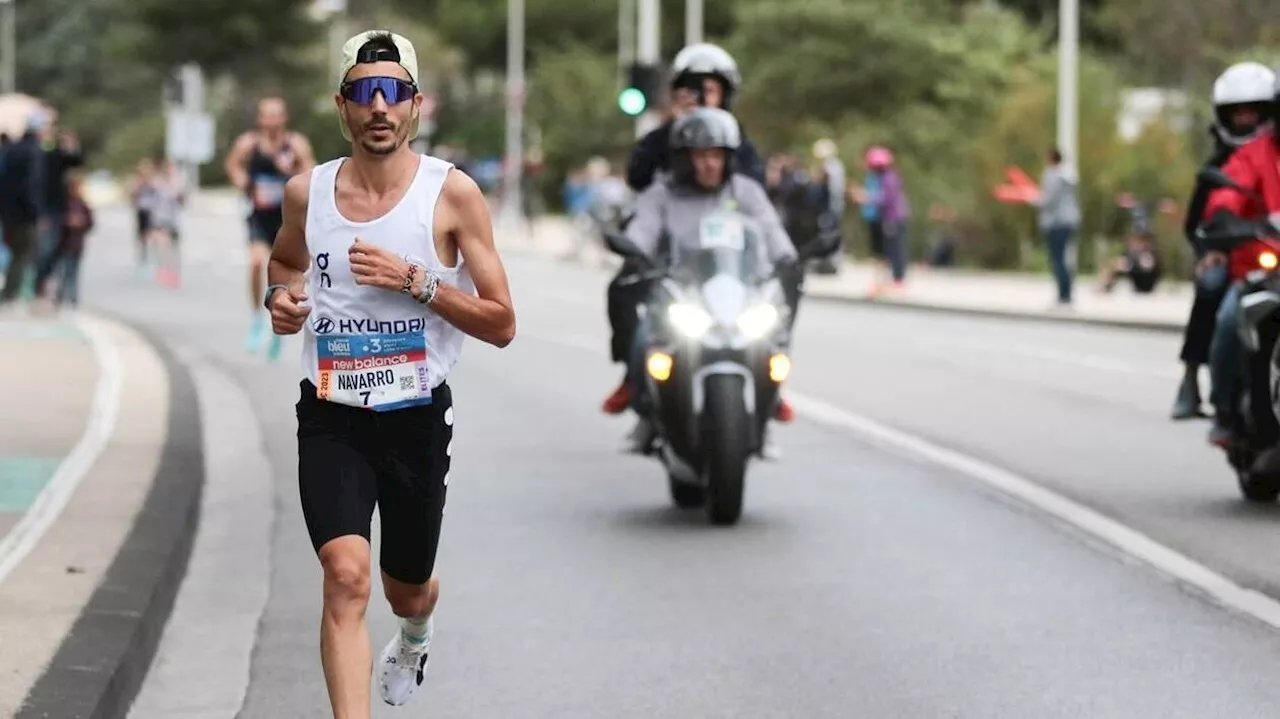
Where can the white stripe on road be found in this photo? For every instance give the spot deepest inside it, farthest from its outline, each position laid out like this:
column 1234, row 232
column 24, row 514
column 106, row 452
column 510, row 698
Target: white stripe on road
column 1125, row 539
column 24, row 536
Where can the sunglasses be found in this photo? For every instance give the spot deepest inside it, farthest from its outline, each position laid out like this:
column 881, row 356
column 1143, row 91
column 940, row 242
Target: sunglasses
column 394, row 90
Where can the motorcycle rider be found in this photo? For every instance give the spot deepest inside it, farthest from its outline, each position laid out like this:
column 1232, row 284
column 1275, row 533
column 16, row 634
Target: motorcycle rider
column 703, row 178
column 1255, row 166
column 704, row 75
column 1240, row 96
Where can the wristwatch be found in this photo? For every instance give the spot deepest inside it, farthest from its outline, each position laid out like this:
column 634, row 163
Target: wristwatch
column 271, row 291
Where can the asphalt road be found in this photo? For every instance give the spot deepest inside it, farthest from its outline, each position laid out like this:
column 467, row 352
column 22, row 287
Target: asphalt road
column 859, row 582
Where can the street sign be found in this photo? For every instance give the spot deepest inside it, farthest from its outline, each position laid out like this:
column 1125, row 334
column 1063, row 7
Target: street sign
column 189, row 136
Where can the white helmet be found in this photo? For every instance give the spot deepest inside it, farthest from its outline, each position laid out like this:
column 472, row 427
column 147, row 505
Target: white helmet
column 1245, row 83
column 706, row 59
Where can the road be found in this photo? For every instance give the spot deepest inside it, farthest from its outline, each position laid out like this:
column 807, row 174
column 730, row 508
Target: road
column 860, row 582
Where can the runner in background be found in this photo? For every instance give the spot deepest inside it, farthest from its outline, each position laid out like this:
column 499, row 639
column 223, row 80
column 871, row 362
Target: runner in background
column 259, row 164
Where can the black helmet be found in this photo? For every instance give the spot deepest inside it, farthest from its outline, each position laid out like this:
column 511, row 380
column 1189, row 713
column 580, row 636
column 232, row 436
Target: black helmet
column 701, row 60
column 703, row 128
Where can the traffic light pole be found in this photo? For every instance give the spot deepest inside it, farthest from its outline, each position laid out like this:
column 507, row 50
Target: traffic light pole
column 513, row 169
column 648, row 53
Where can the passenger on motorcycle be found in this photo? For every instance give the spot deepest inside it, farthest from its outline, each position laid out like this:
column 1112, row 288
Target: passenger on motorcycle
column 703, row 178
column 703, row 75
column 1256, row 167
column 1240, row 97
column 707, row 76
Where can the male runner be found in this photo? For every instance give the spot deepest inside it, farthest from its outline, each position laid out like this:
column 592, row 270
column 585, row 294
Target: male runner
column 259, row 163
column 402, row 267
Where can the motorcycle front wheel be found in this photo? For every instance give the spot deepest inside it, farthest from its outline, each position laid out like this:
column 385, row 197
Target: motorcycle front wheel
column 726, row 444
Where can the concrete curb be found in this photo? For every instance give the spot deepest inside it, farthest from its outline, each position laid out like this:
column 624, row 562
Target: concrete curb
column 101, row 664
column 1145, row 325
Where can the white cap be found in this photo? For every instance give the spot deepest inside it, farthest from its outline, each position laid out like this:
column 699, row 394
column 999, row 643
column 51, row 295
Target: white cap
column 408, row 60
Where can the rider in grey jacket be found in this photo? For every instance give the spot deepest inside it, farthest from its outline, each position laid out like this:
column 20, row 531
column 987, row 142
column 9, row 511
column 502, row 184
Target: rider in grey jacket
column 702, row 180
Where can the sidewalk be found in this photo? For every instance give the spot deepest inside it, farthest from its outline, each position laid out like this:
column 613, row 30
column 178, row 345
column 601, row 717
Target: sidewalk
column 84, row 427
column 954, row 290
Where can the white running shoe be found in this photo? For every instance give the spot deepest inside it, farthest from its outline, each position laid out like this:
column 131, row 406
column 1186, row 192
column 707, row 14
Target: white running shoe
column 402, row 667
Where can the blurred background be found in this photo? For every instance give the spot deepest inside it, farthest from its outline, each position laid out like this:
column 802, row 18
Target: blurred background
column 959, row 89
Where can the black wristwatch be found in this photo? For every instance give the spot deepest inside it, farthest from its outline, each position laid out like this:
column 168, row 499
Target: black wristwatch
column 271, row 291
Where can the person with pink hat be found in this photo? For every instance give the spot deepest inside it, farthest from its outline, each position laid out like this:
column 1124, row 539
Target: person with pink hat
column 885, row 210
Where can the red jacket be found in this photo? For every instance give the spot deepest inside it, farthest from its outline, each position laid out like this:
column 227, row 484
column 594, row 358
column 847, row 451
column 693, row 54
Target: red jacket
column 1255, row 166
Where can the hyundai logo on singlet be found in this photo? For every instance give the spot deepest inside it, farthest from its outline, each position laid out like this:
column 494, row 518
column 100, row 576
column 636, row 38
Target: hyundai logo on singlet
column 372, row 326
column 323, row 325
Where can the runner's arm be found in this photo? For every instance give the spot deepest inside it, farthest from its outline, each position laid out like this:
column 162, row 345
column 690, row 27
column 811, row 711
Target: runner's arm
column 237, row 161
column 488, row 316
column 289, row 255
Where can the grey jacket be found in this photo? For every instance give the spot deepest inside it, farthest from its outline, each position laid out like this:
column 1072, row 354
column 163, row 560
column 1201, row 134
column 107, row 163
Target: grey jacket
column 664, row 209
column 1058, row 204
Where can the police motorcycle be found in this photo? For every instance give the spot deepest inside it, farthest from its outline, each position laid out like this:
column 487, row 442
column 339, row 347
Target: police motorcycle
column 714, row 359
column 1255, row 454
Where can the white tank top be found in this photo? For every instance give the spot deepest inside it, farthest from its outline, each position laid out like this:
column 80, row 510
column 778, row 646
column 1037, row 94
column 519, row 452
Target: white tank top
column 368, row 346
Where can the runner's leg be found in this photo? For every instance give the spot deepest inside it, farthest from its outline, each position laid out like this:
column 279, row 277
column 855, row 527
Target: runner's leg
column 338, row 490
column 413, row 472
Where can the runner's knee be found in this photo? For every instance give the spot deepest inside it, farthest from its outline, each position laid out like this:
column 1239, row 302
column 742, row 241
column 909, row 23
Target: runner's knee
column 346, row 573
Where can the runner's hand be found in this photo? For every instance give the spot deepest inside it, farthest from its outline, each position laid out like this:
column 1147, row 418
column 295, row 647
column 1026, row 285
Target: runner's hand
column 377, row 267
column 287, row 315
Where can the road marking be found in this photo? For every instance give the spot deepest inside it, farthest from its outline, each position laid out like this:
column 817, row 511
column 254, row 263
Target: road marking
column 1128, row 541
column 24, row 536
column 1119, row 536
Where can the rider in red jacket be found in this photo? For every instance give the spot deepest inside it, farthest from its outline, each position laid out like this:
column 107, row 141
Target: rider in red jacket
column 1255, row 167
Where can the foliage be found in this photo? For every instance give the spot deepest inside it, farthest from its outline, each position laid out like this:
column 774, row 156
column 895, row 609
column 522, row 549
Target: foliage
column 959, row 89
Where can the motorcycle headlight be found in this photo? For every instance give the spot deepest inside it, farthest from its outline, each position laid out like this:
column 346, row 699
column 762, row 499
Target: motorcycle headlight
column 758, row 320
column 689, row 320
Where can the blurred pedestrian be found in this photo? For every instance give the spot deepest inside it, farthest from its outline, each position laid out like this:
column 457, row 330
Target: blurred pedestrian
column 885, row 210
column 1059, row 219
column 77, row 222
column 62, row 154
column 142, row 195
column 21, row 204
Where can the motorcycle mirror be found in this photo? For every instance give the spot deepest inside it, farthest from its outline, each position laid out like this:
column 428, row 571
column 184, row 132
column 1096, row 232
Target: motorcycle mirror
column 620, row 244
column 1214, row 177
column 823, row 245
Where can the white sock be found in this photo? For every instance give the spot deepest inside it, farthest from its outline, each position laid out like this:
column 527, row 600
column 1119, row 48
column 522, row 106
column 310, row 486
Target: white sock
column 414, row 629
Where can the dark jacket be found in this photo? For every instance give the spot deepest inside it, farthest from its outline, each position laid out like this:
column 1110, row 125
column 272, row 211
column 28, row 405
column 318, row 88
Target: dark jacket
column 22, row 182
column 653, row 153
column 56, row 163
column 1200, row 195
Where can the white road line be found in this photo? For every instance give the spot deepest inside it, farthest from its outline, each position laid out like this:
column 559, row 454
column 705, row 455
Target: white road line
column 1124, row 539
column 24, row 536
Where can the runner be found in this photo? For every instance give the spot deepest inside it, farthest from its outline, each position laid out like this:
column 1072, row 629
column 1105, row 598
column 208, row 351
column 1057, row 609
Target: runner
column 259, row 163
column 402, row 267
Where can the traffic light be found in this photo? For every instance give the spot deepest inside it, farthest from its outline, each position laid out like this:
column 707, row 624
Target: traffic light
column 641, row 91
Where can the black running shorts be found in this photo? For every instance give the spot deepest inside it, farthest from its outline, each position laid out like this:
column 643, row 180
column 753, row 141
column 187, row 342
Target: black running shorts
column 263, row 226
column 351, row 460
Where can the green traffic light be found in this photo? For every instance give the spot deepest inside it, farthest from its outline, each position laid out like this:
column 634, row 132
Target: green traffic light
column 631, row 100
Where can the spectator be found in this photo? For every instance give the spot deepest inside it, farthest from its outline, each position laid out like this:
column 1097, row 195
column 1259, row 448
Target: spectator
column 885, row 210
column 62, row 154
column 77, row 221
column 1059, row 218
column 21, row 198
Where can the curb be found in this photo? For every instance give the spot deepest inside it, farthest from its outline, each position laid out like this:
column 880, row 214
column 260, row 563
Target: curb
column 1144, row 325
column 101, row 664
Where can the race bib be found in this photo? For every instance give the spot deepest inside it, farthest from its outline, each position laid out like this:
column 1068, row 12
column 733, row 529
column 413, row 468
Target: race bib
column 377, row 371
column 268, row 192
column 722, row 232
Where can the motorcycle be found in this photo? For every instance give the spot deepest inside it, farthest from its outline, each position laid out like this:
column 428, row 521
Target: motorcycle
column 1255, row 454
column 714, row 359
